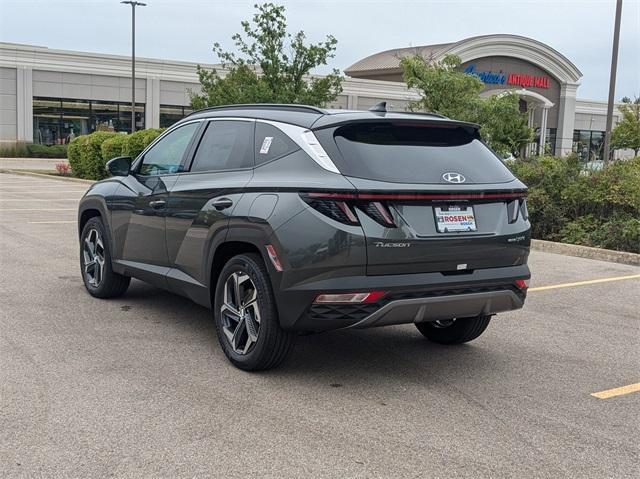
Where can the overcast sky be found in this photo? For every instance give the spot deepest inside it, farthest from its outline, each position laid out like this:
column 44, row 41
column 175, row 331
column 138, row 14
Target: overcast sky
column 186, row 29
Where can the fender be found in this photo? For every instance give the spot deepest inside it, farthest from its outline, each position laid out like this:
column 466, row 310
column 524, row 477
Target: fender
column 94, row 199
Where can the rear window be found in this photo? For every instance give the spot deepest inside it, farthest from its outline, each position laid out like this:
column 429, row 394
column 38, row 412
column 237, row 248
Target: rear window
column 413, row 152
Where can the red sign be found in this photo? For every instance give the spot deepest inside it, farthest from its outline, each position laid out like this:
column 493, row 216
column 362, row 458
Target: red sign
column 523, row 80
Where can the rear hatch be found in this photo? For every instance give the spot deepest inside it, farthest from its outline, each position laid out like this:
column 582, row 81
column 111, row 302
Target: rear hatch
column 431, row 197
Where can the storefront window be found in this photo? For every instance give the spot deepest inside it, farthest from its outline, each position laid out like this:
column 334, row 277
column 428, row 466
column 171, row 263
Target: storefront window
column 75, row 119
column 124, row 118
column 588, row 145
column 169, row 114
column 46, row 121
column 58, row 121
column 550, row 141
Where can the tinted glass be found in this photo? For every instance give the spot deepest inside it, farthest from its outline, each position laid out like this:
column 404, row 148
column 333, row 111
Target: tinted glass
column 166, row 156
column 225, row 145
column 414, row 152
column 271, row 143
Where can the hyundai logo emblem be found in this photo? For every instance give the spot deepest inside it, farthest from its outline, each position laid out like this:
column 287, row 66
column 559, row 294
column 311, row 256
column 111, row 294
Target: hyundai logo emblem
column 454, row 177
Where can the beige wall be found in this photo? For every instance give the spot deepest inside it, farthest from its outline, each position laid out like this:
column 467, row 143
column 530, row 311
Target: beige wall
column 8, row 125
column 84, row 86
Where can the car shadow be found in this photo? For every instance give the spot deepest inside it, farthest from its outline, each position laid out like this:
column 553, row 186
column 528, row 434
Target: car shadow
column 364, row 356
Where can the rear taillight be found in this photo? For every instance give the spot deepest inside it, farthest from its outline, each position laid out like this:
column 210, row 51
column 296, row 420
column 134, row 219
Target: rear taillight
column 524, row 210
column 350, row 298
column 337, row 210
column 344, row 209
column 342, row 206
column 516, row 207
column 378, row 212
column 522, row 283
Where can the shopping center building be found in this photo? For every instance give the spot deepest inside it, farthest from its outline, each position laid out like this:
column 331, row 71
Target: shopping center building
column 50, row 96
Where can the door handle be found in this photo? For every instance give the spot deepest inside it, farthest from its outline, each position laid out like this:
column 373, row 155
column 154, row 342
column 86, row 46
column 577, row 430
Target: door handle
column 157, row 204
column 222, row 204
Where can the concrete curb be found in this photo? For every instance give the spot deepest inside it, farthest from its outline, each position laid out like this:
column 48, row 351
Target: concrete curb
column 50, row 177
column 622, row 257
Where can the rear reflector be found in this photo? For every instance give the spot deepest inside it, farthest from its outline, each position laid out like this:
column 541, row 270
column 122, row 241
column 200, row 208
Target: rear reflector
column 273, row 256
column 369, row 297
column 522, row 283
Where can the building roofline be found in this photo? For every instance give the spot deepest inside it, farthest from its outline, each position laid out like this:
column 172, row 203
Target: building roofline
column 500, row 44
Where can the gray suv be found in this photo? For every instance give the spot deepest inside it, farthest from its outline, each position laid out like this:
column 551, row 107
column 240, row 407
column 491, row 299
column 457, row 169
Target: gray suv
column 287, row 218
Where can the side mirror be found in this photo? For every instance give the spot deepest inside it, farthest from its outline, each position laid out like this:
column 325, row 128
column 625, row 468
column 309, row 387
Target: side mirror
column 119, row 166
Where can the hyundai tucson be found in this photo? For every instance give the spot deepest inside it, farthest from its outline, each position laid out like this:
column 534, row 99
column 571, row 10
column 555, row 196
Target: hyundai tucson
column 286, row 218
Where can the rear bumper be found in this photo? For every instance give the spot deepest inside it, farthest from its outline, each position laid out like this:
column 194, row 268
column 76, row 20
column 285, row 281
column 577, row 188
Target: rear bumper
column 410, row 298
column 442, row 307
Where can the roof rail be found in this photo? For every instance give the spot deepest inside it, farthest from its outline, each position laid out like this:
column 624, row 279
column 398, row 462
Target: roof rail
column 264, row 106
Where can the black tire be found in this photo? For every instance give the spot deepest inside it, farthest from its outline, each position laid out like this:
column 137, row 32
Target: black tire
column 110, row 284
column 461, row 330
column 272, row 344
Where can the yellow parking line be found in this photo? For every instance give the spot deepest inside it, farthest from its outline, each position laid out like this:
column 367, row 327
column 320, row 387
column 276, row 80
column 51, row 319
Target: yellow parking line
column 583, row 283
column 50, row 222
column 609, row 393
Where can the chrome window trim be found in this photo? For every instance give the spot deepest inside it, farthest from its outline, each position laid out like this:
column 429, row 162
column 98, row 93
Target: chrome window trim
column 210, row 120
column 175, row 126
column 136, row 163
column 305, row 139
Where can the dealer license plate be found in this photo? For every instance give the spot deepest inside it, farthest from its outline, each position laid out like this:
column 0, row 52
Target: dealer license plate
column 455, row 218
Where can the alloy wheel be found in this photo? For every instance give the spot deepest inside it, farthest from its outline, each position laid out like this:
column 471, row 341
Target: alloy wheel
column 240, row 312
column 93, row 255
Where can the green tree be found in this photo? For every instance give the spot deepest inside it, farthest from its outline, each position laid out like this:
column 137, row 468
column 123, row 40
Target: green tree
column 271, row 66
column 626, row 134
column 503, row 126
column 446, row 90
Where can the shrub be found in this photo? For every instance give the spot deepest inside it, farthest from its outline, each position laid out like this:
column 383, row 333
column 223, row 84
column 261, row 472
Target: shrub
column 44, row 151
column 88, row 154
column 138, row 141
column 591, row 208
column 28, row 150
column 113, row 147
column 85, row 155
column 74, row 155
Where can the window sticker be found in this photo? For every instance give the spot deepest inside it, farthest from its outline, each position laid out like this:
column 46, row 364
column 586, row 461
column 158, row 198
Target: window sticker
column 266, row 144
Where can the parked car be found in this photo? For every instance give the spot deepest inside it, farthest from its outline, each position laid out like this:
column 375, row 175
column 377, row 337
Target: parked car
column 289, row 218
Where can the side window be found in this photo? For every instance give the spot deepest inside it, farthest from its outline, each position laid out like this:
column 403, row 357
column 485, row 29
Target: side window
column 225, row 145
column 166, row 156
column 271, row 143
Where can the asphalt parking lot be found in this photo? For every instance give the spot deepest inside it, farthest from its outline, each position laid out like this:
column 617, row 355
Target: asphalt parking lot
column 138, row 387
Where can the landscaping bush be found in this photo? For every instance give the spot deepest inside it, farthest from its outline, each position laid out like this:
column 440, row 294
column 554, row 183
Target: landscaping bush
column 85, row 155
column 591, row 208
column 28, row 150
column 113, row 147
column 88, row 154
column 74, row 155
column 139, row 140
column 44, row 151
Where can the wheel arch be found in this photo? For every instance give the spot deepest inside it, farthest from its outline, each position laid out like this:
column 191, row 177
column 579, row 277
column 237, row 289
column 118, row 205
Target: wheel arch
column 94, row 207
column 223, row 253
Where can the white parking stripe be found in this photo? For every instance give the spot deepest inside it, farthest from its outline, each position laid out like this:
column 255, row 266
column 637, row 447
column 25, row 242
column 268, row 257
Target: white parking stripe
column 38, row 209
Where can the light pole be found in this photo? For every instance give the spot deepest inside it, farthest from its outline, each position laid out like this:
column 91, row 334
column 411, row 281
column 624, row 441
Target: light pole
column 612, row 80
column 133, row 4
